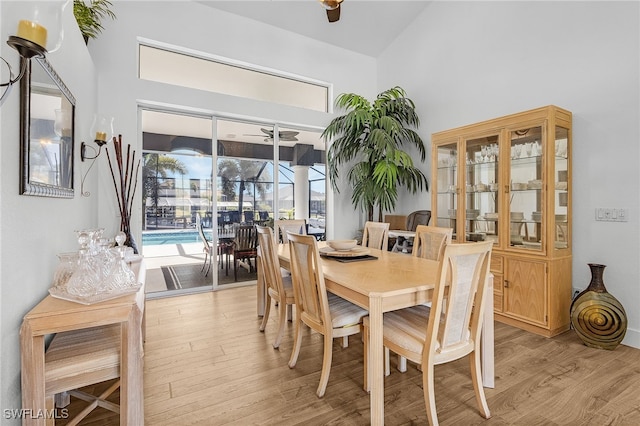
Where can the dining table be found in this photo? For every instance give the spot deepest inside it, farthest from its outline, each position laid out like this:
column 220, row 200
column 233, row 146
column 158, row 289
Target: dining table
column 389, row 282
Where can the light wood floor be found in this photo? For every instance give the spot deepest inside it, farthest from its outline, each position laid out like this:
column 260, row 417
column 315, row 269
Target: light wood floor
column 206, row 363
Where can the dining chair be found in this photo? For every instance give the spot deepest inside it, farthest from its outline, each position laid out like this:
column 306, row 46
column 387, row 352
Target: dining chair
column 429, row 243
column 279, row 288
column 244, row 246
column 327, row 314
column 281, row 227
column 433, row 336
column 376, row 235
column 207, row 246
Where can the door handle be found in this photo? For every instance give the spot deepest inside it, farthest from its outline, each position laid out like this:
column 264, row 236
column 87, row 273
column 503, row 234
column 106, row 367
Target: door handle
column 506, row 284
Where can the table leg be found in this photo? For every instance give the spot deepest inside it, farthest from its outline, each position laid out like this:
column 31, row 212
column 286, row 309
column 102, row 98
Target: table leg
column 376, row 362
column 33, row 386
column 131, row 369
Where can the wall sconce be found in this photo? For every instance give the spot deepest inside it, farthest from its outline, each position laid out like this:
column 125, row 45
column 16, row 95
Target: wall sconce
column 39, row 33
column 102, row 130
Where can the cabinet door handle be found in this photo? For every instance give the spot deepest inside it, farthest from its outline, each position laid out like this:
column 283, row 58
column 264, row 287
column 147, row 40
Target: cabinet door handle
column 506, row 284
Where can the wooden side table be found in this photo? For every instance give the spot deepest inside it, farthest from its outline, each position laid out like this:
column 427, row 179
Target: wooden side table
column 54, row 315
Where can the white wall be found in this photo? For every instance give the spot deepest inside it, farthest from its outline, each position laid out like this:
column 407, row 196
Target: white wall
column 214, row 32
column 34, row 229
column 464, row 62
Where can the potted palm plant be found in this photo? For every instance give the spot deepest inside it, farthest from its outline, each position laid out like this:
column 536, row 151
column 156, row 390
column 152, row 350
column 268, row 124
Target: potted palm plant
column 89, row 15
column 371, row 137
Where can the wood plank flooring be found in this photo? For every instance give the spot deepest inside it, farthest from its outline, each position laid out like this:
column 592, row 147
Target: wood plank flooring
column 206, row 363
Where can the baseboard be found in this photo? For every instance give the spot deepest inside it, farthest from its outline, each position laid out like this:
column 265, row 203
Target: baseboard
column 632, row 338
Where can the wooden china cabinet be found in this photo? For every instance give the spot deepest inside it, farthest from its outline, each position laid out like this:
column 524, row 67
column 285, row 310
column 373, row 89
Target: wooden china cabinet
column 508, row 180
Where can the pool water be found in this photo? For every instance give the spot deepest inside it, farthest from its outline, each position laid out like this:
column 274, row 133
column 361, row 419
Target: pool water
column 182, row 237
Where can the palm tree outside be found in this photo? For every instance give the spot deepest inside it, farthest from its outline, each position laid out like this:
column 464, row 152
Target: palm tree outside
column 155, row 169
column 372, row 135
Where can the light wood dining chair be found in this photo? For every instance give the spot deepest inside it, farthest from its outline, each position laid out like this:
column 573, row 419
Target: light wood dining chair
column 295, row 226
column 376, row 235
column 430, row 241
column 432, row 336
column 279, row 288
column 328, row 315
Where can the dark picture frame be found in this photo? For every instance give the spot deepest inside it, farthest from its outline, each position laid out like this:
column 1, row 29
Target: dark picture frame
column 47, row 125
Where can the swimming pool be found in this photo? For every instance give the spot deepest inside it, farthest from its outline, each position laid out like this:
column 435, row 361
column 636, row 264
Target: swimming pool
column 176, row 237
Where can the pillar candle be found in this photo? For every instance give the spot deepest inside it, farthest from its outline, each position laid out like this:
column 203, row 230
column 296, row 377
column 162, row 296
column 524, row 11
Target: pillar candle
column 32, row 31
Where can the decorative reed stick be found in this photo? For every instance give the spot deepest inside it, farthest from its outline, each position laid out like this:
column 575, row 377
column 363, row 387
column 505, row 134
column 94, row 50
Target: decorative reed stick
column 125, row 185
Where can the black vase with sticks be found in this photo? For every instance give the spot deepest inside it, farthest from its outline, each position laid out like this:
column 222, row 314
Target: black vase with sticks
column 125, row 182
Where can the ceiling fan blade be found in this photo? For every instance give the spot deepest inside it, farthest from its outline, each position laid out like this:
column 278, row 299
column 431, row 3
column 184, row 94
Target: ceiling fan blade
column 333, row 14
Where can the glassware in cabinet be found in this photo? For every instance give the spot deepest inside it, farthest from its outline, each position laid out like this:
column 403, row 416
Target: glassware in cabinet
column 482, row 188
column 447, row 186
column 526, row 196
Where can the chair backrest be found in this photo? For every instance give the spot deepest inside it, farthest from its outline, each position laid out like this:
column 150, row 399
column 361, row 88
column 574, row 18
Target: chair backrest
column 248, row 216
column 203, row 238
column 463, row 275
column 430, row 241
column 295, row 226
column 375, row 235
column 245, row 238
column 269, row 261
column 309, row 288
column 419, row 217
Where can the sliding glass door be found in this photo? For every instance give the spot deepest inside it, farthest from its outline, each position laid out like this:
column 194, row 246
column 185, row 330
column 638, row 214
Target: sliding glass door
column 208, row 181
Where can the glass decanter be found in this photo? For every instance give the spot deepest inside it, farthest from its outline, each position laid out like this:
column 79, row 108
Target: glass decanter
column 120, row 277
column 66, row 267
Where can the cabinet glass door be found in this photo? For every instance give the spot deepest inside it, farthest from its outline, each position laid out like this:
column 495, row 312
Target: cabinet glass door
column 526, row 218
column 447, row 190
column 481, row 189
column 561, row 188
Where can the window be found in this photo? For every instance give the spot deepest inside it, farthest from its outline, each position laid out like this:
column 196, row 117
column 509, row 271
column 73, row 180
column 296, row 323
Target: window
column 225, row 77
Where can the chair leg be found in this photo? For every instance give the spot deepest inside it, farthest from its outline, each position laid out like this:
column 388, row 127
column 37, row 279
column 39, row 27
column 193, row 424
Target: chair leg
column 281, row 323
column 204, row 265
column 387, row 363
column 235, row 268
column 429, row 394
column 326, row 365
column 402, row 364
column 267, row 309
column 206, row 274
column 296, row 344
column 345, row 341
column 476, row 378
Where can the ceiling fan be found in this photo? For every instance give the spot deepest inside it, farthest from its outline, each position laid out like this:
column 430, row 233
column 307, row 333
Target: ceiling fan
column 283, row 135
column 333, row 9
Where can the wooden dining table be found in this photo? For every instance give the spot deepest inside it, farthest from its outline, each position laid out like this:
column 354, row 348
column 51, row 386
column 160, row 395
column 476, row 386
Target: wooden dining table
column 392, row 281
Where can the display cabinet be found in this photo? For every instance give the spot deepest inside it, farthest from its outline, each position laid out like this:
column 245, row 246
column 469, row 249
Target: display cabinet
column 508, row 180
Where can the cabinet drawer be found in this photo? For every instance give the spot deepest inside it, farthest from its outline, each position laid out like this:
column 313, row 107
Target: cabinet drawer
column 496, row 264
column 497, row 302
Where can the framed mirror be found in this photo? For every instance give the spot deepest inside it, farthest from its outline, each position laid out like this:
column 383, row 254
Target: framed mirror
column 47, row 122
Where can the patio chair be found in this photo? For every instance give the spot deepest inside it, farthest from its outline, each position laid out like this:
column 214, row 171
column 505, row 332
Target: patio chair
column 244, row 248
column 207, row 246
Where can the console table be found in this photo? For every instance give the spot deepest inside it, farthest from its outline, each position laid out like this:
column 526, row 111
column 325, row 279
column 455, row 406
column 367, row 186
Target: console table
column 54, row 315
